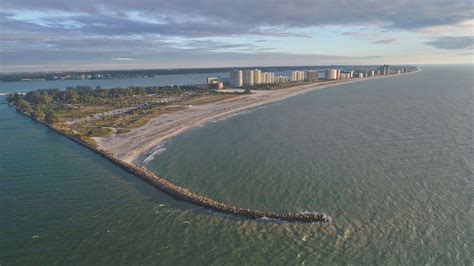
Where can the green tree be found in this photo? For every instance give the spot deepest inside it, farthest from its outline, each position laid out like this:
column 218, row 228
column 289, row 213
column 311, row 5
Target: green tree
column 24, row 106
column 38, row 111
column 50, row 117
column 72, row 96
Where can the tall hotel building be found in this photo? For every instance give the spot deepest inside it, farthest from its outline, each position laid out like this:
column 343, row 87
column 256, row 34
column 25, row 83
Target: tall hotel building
column 268, row 77
column 312, row 75
column 297, row 76
column 331, row 74
column 248, row 77
column 384, row 70
column 236, row 78
column 257, row 76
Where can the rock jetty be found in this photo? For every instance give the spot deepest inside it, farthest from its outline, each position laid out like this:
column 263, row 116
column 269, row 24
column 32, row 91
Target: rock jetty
column 186, row 195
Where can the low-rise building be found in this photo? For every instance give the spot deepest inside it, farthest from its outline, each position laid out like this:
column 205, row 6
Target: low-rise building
column 210, row 80
column 215, row 86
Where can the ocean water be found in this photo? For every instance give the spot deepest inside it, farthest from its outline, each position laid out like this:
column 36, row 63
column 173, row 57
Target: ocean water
column 391, row 160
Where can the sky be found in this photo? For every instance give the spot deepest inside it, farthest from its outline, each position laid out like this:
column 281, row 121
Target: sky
column 44, row 35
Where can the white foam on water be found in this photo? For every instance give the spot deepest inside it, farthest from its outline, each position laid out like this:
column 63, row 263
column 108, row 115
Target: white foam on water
column 154, row 153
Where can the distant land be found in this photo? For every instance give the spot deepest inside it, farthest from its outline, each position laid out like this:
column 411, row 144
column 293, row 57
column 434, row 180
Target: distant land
column 145, row 73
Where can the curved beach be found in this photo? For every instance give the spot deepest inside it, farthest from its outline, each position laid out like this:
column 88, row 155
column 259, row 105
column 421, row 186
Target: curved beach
column 130, row 146
column 124, row 149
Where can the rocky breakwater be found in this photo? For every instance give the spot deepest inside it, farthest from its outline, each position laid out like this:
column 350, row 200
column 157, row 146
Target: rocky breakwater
column 184, row 194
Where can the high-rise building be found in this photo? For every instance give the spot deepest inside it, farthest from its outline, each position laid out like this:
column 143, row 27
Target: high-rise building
column 281, row 79
column 331, row 74
column 236, row 78
column 268, row 77
column 384, row 70
column 248, row 77
column 257, row 76
column 297, row 76
column 338, row 74
column 312, row 75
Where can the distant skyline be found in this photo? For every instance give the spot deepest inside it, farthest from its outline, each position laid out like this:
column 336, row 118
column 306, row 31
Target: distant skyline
column 95, row 35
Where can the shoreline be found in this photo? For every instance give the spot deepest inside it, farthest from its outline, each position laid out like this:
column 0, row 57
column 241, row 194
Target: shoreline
column 140, row 141
column 185, row 194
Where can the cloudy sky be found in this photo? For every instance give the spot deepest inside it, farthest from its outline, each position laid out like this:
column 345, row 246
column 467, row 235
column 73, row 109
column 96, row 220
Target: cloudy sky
column 124, row 34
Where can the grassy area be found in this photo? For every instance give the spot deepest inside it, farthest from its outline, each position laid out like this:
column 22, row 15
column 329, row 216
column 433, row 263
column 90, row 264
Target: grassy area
column 79, row 111
column 91, row 131
column 123, row 123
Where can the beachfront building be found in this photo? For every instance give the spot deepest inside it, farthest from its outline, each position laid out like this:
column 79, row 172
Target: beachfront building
column 215, row 86
column 214, row 83
column 384, row 70
column 312, row 75
column 297, row 76
column 268, row 77
column 257, row 76
column 371, row 73
column 210, row 80
column 331, row 74
column 248, row 78
column 236, row 78
column 345, row 75
column 281, row 79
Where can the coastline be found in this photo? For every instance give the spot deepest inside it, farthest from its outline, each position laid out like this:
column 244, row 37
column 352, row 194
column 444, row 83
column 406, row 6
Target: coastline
column 130, row 146
column 184, row 194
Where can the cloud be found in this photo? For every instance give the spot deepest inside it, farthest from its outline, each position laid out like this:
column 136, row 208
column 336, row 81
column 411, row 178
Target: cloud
column 212, row 18
column 375, row 37
column 166, row 58
column 100, row 32
column 452, row 43
column 387, row 41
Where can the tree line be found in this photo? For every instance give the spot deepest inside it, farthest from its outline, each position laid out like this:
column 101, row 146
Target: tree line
column 39, row 103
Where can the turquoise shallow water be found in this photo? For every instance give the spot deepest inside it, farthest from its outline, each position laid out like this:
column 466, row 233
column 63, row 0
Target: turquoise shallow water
column 391, row 160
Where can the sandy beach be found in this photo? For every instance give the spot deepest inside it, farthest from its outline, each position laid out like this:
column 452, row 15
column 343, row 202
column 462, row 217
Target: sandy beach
column 131, row 145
